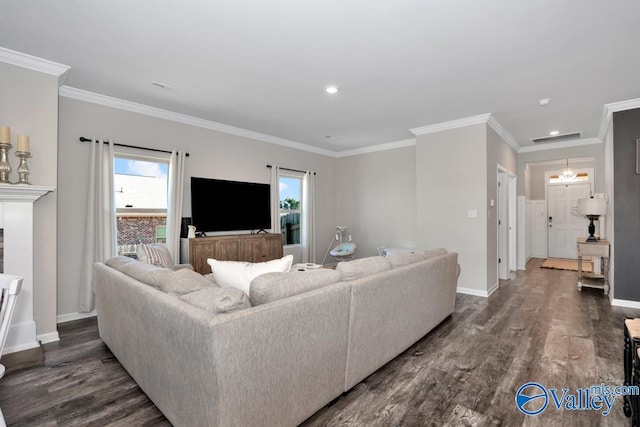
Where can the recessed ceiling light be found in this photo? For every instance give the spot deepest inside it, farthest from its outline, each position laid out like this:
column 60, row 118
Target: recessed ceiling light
column 332, row 90
column 554, row 132
column 543, row 102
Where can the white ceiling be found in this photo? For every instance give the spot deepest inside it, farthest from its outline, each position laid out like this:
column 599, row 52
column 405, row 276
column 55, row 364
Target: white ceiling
column 263, row 65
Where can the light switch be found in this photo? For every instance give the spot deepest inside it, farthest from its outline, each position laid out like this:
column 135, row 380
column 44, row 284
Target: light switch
column 492, row 202
column 473, row 213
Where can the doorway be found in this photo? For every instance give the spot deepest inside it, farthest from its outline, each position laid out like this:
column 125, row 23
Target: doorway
column 506, row 218
column 564, row 225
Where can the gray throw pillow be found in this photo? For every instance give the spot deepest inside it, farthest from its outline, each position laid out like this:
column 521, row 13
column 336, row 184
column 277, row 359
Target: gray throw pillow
column 118, row 262
column 181, row 282
column 432, row 253
column 218, row 300
column 401, row 259
column 352, row 270
column 274, row 286
column 146, row 273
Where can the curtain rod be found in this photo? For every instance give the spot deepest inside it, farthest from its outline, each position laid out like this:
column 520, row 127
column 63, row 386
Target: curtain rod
column 83, row 139
column 287, row 169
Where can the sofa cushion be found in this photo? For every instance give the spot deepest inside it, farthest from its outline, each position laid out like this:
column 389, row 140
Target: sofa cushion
column 156, row 254
column 218, row 300
column 274, row 286
column 181, row 282
column 401, row 259
column 432, row 253
column 145, row 273
column 238, row 274
column 118, row 262
column 352, row 270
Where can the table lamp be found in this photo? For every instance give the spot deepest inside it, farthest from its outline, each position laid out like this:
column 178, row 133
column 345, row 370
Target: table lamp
column 592, row 209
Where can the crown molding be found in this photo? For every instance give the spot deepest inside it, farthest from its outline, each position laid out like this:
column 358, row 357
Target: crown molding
column 564, row 144
column 453, row 124
column 377, row 148
column 614, row 107
column 488, row 119
column 121, row 104
column 34, row 63
column 504, row 134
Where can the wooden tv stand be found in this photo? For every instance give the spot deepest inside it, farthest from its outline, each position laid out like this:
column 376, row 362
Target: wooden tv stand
column 237, row 247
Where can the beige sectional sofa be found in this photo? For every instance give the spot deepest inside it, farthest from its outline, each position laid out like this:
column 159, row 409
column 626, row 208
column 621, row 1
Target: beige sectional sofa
column 284, row 358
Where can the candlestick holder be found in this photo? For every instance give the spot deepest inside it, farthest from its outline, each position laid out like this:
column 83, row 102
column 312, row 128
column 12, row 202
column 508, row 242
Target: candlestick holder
column 5, row 167
column 23, row 168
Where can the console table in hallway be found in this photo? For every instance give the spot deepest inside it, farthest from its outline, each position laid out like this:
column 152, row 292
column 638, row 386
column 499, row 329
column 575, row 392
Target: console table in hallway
column 601, row 249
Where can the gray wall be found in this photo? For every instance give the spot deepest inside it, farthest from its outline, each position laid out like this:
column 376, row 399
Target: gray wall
column 29, row 105
column 376, row 199
column 498, row 153
column 451, row 179
column 213, row 154
column 626, row 129
column 591, row 150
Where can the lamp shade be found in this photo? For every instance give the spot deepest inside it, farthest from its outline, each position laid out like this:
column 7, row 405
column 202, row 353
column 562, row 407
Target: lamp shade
column 592, row 206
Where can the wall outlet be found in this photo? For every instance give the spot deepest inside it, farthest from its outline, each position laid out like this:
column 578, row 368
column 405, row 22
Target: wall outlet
column 473, row 213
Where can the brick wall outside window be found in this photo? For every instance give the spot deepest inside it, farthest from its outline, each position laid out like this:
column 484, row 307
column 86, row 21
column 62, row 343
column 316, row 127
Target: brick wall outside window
column 138, row 229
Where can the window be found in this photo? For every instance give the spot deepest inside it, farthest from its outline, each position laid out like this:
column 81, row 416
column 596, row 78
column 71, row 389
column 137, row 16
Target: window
column 140, row 185
column 291, row 208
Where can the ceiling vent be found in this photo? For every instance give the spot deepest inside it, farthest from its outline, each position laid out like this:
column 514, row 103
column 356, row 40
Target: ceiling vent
column 557, row 138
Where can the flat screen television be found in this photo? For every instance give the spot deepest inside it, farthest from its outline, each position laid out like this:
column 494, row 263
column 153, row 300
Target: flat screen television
column 219, row 205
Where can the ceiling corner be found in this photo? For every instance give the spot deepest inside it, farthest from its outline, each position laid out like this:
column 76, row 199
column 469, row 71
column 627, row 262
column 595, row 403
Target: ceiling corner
column 34, row 63
column 613, row 107
column 453, row 124
column 504, row 134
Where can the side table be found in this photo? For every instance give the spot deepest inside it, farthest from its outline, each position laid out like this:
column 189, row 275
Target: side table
column 600, row 249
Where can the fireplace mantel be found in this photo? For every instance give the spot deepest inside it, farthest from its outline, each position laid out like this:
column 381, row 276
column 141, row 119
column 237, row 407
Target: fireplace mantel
column 22, row 192
column 16, row 219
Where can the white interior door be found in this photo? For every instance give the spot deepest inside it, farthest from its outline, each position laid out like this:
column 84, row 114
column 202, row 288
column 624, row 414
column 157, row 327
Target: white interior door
column 503, row 220
column 511, row 196
column 564, row 224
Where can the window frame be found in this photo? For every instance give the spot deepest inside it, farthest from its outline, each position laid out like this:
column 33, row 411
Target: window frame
column 125, row 153
column 299, row 176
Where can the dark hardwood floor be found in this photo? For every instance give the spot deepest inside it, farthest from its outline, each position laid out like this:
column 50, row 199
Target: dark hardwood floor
column 535, row 327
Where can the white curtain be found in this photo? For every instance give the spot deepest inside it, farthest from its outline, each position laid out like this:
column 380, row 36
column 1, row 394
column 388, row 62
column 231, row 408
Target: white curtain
column 174, row 203
column 275, row 200
column 309, row 218
column 100, row 229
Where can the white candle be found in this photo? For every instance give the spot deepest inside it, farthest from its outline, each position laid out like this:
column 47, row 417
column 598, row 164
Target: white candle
column 23, row 143
column 5, row 135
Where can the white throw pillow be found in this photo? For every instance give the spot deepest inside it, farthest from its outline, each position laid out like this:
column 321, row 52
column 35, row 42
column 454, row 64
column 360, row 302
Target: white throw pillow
column 239, row 274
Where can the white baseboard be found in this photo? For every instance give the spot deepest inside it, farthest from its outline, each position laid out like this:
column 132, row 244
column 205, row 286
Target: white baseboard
column 625, row 303
column 472, row 291
column 22, row 347
column 47, row 338
column 68, row 317
column 21, row 336
column 492, row 289
column 524, row 267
